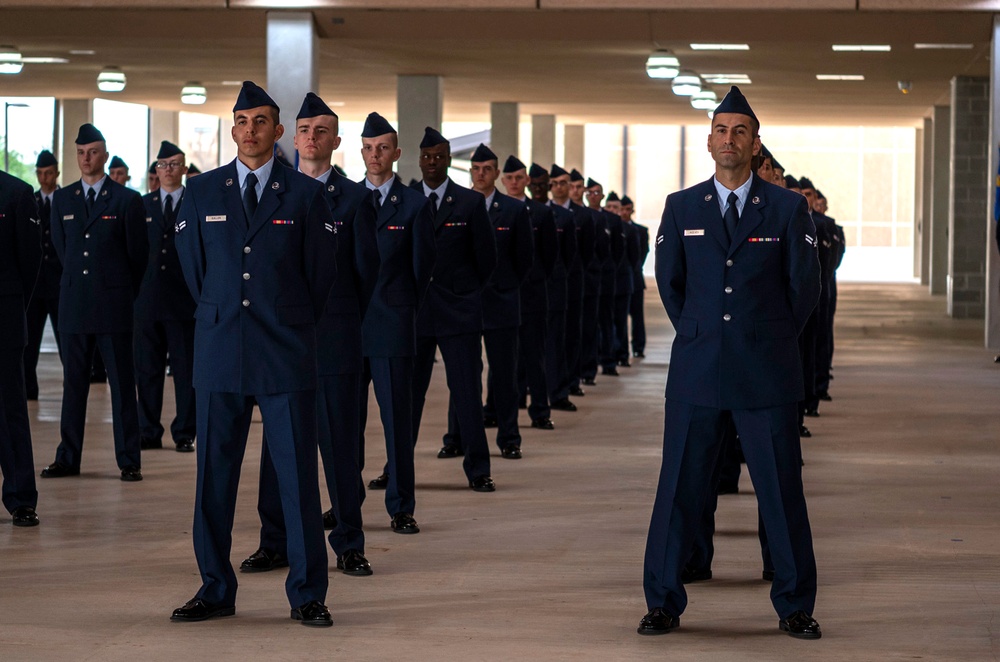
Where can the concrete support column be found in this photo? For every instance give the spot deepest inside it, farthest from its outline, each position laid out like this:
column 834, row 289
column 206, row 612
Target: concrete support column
column 72, row 113
column 918, row 202
column 163, row 125
column 419, row 104
column 292, row 67
column 505, row 126
column 574, row 146
column 940, row 196
column 543, row 140
column 970, row 156
column 992, row 294
column 926, row 166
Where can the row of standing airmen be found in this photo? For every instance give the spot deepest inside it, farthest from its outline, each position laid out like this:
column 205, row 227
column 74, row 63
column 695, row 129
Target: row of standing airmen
column 545, row 283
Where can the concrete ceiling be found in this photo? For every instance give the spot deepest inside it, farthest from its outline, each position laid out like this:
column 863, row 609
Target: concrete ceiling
column 584, row 65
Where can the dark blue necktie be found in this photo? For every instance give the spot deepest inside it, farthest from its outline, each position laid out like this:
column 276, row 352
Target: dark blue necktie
column 250, row 196
column 732, row 216
column 91, row 199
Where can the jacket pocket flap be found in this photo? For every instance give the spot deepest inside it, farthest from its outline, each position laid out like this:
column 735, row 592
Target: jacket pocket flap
column 687, row 326
column 292, row 315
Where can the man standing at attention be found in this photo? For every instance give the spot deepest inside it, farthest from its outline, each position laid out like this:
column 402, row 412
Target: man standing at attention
column 738, row 274
column 257, row 245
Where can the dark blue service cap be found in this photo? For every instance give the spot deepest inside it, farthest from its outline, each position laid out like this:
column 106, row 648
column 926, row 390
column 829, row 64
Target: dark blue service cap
column 776, row 164
column 513, row 164
column 253, row 96
column 612, row 197
column 483, row 153
column 557, row 171
column 376, row 125
column 575, row 176
column 766, row 153
column 414, row 182
column 313, row 106
column 89, row 134
column 805, row 182
column 791, row 182
column 116, row 162
column 591, row 183
column 627, row 200
column 152, row 168
column 819, row 194
column 193, row 170
column 432, row 138
column 537, row 171
column 168, row 149
column 45, row 159
column 735, row 102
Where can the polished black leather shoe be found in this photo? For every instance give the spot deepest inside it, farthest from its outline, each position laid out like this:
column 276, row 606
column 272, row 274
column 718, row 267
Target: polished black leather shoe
column 379, row 483
column 657, row 621
column 825, row 397
column 510, row 452
column 692, row 575
column 354, row 563
column 448, row 451
column 59, row 470
column 577, row 391
column 199, row 610
column 801, row 626
column 329, row 520
column 263, row 560
column 490, row 421
column 610, row 371
column 638, row 355
column 624, row 363
column 131, row 474
column 563, row 405
column 404, row 523
column 812, row 413
column 483, row 484
column 184, row 445
column 314, row 614
column 590, row 381
column 804, row 431
column 147, row 443
column 543, row 424
column 24, row 516
column 767, row 575
column 725, row 488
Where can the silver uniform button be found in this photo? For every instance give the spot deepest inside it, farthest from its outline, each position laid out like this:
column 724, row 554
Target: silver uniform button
column 729, row 290
column 86, row 236
column 727, row 317
column 246, row 303
column 246, row 276
column 164, row 251
column 164, row 236
column 246, row 249
column 86, row 271
column 729, row 263
column 86, row 253
column 163, row 267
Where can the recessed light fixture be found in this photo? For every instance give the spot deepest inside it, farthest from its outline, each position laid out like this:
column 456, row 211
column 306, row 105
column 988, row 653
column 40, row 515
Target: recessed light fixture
column 943, row 47
column 839, row 77
column 194, row 94
column 232, row 83
column 10, row 60
column 720, row 47
column 44, row 60
column 726, row 79
column 662, row 64
column 83, row 51
column 111, row 79
column 704, row 100
column 862, row 48
column 686, row 83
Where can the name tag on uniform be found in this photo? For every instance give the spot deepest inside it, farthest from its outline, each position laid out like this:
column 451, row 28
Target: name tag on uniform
column 694, row 233
column 215, row 219
column 68, row 217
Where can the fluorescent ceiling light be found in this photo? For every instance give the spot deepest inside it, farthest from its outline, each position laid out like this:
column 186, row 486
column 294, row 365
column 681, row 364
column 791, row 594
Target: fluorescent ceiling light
column 839, row 77
column 44, row 60
column 943, row 47
column 704, row 100
column 232, row 83
column 662, row 64
column 82, row 52
column 194, row 94
column 111, row 79
column 720, row 47
column 862, row 48
column 10, row 60
column 686, row 83
column 726, row 79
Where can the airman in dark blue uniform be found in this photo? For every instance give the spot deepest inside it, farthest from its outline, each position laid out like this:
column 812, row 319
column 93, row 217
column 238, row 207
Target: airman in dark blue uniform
column 625, row 283
column 592, row 282
column 609, row 270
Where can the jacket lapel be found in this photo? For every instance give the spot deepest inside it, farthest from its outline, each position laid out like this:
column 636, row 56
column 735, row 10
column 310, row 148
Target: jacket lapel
column 100, row 203
column 388, row 207
column 710, row 214
column 270, row 200
column 752, row 215
column 444, row 211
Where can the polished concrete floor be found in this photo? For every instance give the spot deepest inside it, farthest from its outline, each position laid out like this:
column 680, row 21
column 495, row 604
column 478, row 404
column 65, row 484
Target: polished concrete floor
column 901, row 479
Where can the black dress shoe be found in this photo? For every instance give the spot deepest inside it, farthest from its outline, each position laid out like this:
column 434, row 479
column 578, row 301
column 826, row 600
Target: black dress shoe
column 314, row 614
column 329, row 520
column 146, row 443
column 489, row 421
column 577, row 391
column 563, row 405
column 658, row 621
column 639, row 355
column 812, row 413
column 199, row 610
column 767, row 575
column 610, row 370
column 624, row 363
column 32, row 395
column 801, row 626
column 449, row 450
column 59, row 470
column 691, row 575
column 404, row 523
column 263, row 560
column 804, row 431
column 543, row 424
column 24, row 516
column 131, row 474
column 101, row 378
column 379, row 483
column 354, row 563
column 184, row 445
column 522, row 404
column 589, row 381
column 483, row 484
column 728, row 489
column 825, row 397
column 510, row 452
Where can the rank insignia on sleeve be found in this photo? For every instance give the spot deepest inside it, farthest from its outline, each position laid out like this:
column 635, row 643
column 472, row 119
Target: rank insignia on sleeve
column 180, row 226
column 329, row 227
column 811, row 240
column 659, row 240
